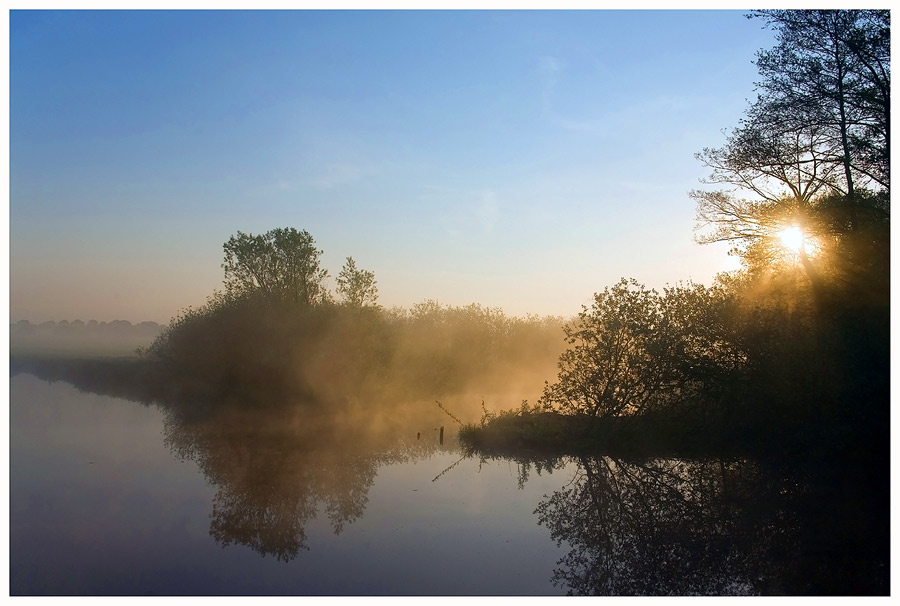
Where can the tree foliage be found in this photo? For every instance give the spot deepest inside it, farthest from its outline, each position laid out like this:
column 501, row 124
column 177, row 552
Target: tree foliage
column 773, row 160
column 636, row 351
column 282, row 264
column 356, row 287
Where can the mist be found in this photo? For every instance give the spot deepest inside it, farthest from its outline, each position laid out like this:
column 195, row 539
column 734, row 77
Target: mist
column 78, row 338
column 376, row 364
column 370, row 366
column 289, row 411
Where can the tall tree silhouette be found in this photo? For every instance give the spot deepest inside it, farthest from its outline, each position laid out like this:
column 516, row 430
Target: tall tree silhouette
column 282, row 264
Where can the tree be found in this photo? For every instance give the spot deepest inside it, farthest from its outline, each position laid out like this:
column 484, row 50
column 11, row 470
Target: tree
column 609, row 371
column 356, row 286
column 813, row 149
column 282, row 264
column 831, row 69
column 636, row 351
column 772, row 160
column 757, row 230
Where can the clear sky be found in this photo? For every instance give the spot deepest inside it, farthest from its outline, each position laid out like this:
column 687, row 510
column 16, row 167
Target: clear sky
column 523, row 160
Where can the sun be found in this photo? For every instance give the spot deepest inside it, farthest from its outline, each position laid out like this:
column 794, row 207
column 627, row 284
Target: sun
column 793, row 239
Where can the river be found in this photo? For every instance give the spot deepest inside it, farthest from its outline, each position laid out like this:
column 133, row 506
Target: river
column 114, row 497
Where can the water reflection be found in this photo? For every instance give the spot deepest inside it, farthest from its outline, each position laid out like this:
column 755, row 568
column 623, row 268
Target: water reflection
column 276, row 464
column 274, row 473
column 819, row 525
column 716, row 527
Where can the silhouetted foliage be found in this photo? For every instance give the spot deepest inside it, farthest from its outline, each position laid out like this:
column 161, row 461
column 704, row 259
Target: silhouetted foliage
column 636, row 351
column 836, row 235
column 758, row 363
column 282, row 264
column 831, row 71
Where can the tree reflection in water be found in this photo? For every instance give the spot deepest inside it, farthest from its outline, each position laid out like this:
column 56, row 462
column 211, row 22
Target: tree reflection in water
column 273, row 474
column 276, row 461
column 679, row 527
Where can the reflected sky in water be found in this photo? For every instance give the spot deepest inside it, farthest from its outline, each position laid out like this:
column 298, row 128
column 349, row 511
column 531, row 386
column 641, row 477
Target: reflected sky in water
column 101, row 503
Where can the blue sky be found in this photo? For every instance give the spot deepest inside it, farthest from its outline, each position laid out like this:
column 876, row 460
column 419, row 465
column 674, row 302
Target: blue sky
column 523, row 160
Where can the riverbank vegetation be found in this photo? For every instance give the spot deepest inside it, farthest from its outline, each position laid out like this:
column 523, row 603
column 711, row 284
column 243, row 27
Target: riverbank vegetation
column 332, row 352
column 793, row 350
column 277, row 334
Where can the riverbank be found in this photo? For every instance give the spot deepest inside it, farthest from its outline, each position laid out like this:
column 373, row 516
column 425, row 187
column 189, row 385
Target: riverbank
column 535, row 433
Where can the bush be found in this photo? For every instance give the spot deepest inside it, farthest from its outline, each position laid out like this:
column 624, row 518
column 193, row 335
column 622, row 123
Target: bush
column 637, row 352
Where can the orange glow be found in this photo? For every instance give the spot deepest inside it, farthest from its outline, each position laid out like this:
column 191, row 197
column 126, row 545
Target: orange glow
column 793, row 239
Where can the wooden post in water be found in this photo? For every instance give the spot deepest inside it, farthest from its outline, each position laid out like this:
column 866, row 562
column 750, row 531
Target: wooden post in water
column 442, row 435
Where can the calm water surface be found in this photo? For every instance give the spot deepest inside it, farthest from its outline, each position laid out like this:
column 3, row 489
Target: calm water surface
column 111, row 496
column 102, row 501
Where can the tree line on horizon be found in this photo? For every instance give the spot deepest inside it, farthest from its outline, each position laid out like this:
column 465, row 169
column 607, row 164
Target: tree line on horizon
column 118, row 337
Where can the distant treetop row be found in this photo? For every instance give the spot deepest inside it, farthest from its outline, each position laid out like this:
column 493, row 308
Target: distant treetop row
column 24, row 326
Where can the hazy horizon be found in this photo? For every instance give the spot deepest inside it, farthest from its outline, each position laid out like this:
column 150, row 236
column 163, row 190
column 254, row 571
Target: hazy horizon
column 513, row 159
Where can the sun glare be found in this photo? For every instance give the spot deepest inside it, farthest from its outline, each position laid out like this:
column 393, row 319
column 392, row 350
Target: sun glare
column 793, row 239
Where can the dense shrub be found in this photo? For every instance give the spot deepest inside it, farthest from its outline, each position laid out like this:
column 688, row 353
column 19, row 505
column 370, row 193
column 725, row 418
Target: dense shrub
column 636, row 351
column 254, row 344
